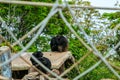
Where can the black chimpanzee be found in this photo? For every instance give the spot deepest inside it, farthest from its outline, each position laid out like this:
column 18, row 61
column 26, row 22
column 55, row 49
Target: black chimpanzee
column 45, row 61
column 59, row 43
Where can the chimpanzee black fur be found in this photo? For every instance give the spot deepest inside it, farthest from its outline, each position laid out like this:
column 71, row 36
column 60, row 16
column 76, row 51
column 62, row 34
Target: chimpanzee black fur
column 118, row 50
column 59, row 43
column 45, row 61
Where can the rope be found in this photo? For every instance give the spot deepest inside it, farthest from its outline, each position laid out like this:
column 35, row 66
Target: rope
column 73, row 31
column 58, row 8
column 114, row 29
column 44, row 22
column 94, row 66
column 23, row 57
column 96, row 52
column 75, row 64
column 51, row 4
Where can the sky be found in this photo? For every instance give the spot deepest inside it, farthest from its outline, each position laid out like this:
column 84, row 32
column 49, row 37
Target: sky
column 104, row 3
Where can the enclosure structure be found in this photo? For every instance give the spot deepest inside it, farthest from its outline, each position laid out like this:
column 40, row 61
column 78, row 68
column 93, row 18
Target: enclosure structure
column 22, row 68
column 91, row 47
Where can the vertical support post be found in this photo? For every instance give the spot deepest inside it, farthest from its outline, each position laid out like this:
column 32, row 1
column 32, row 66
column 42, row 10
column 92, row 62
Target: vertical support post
column 6, row 69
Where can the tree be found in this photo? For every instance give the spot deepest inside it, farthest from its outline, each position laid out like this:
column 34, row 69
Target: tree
column 21, row 19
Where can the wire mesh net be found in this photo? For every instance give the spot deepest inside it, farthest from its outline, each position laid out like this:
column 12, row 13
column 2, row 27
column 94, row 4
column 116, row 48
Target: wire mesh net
column 89, row 44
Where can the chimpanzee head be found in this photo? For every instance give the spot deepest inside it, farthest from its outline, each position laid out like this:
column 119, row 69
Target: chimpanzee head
column 45, row 61
column 59, row 43
column 38, row 54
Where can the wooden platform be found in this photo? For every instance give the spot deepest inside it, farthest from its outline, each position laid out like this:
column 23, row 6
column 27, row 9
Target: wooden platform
column 57, row 59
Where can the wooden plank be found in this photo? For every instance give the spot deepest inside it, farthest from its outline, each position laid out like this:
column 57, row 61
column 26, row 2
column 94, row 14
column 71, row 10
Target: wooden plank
column 3, row 78
column 56, row 58
column 34, row 75
column 19, row 64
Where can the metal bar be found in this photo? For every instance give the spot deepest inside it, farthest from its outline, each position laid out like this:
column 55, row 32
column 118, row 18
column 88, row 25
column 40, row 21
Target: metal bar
column 6, row 70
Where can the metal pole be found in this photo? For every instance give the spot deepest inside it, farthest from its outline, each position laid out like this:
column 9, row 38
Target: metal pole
column 6, row 70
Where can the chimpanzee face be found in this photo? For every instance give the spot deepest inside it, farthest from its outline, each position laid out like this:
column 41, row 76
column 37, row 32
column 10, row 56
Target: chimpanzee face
column 59, row 43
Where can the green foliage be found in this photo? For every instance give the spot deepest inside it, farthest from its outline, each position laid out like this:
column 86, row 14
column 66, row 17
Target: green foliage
column 101, row 72
column 2, row 44
column 113, row 17
column 24, row 18
column 17, row 48
column 77, row 49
